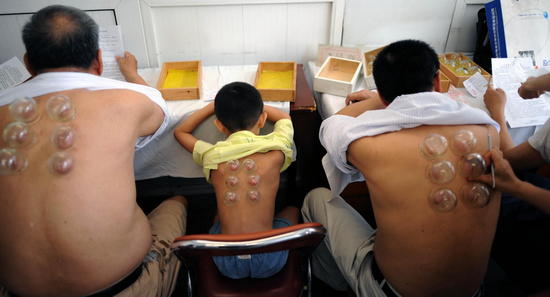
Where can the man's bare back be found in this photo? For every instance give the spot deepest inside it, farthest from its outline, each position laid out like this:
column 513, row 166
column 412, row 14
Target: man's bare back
column 245, row 217
column 421, row 251
column 79, row 233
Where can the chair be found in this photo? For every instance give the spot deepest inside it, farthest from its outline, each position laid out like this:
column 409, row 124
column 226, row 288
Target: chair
column 290, row 281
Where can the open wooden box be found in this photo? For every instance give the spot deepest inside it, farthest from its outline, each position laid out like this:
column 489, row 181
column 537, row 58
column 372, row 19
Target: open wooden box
column 445, row 82
column 337, row 76
column 277, row 94
column 367, row 73
column 458, row 80
column 184, row 93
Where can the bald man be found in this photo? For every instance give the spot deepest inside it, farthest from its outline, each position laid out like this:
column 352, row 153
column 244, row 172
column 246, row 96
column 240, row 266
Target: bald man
column 80, row 232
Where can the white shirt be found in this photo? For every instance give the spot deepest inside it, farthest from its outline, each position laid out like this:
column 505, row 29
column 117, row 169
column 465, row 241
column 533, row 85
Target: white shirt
column 51, row 82
column 405, row 112
column 540, row 141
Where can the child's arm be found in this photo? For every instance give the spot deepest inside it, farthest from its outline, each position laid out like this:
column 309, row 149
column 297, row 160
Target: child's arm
column 183, row 132
column 274, row 114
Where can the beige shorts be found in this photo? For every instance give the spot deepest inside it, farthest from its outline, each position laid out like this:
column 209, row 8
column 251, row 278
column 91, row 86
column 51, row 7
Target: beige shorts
column 160, row 267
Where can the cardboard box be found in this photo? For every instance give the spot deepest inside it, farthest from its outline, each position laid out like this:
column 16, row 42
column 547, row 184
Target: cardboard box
column 184, row 93
column 369, row 79
column 337, row 76
column 458, row 80
column 277, row 94
column 445, row 82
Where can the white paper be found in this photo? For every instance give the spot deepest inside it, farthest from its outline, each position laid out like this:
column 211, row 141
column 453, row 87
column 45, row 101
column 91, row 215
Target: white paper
column 110, row 43
column 325, row 51
column 475, row 84
column 526, row 30
column 12, row 73
column 210, row 95
column 518, row 112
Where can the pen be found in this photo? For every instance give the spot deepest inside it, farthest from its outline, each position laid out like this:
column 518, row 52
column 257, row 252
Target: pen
column 490, row 148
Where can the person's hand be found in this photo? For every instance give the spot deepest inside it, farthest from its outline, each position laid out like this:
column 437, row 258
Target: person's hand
column 495, row 100
column 361, row 96
column 128, row 68
column 505, row 179
column 527, row 90
column 128, row 65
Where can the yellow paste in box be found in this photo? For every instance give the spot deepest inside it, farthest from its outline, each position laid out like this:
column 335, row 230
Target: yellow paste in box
column 181, row 79
column 276, row 79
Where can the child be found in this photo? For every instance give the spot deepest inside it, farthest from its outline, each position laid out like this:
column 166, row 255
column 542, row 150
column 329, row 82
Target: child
column 245, row 171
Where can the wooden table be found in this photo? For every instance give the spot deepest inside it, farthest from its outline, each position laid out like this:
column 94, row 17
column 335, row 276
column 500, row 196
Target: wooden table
column 307, row 171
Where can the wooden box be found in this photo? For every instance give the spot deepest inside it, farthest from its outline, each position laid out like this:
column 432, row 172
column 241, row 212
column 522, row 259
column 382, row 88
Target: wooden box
column 458, row 80
column 445, row 82
column 337, row 76
column 183, row 93
column 367, row 71
column 278, row 87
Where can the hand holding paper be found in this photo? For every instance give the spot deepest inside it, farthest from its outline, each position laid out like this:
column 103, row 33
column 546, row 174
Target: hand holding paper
column 110, row 43
column 128, row 68
column 495, row 100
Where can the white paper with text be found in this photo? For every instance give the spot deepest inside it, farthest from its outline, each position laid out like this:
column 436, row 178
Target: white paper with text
column 12, row 73
column 518, row 112
column 476, row 84
column 110, row 43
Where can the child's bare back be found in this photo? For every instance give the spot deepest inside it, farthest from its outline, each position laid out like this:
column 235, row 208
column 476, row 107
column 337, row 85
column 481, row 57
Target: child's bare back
column 245, row 172
column 248, row 215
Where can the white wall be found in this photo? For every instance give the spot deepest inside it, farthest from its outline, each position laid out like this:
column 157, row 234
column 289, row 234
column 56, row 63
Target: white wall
column 447, row 25
column 104, row 12
column 372, row 24
column 236, row 32
column 11, row 26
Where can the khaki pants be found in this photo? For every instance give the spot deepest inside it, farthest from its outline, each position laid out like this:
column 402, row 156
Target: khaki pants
column 161, row 267
column 345, row 256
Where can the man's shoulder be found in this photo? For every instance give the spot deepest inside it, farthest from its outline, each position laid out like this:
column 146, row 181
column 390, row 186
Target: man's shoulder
column 106, row 96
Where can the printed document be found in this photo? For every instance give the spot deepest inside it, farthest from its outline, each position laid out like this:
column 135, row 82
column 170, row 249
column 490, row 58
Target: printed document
column 475, row 84
column 518, row 112
column 110, row 43
column 12, row 73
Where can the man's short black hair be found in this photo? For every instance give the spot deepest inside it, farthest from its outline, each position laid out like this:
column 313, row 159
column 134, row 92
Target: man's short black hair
column 60, row 36
column 405, row 67
column 238, row 106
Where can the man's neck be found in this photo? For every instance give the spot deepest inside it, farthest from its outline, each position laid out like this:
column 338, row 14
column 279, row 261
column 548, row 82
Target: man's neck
column 69, row 69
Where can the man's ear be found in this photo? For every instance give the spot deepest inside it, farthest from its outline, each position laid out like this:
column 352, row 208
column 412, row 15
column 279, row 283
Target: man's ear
column 97, row 65
column 220, row 126
column 262, row 119
column 28, row 65
column 437, row 82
